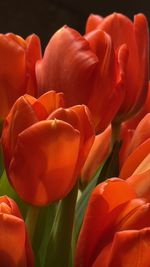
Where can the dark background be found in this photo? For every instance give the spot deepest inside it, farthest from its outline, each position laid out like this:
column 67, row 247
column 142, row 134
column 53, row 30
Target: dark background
column 47, row 16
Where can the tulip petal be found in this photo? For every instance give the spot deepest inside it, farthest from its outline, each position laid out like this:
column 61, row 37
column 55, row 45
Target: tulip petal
column 141, row 33
column 51, row 101
column 97, row 154
column 68, row 54
column 123, row 31
column 12, row 241
column 80, row 118
column 129, row 248
column 133, row 139
column 93, row 22
column 33, row 53
column 106, row 88
column 21, row 116
column 134, row 159
column 53, row 176
column 11, row 78
column 99, row 217
column 140, row 179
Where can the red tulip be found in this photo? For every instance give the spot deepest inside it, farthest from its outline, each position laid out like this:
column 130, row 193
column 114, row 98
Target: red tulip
column 43, row 151
column 17, row 68
column 116, row 228
column 123, row 31
column 15, row 250
column 87, row 70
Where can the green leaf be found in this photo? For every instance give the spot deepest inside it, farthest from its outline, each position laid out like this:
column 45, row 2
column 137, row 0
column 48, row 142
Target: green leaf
column 43, row 231
column 59, row 247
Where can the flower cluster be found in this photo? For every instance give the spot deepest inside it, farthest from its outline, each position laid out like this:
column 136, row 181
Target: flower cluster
column 75, row 146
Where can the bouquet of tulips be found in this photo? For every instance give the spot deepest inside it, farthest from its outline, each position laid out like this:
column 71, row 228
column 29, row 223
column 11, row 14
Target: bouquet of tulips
column 75, row 146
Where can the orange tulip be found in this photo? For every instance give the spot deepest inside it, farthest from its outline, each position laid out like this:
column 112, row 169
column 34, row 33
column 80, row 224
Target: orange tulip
column 123, row 31
column 87, row 70
column 15, row 250
column 44, row 151
column 17, row 68
column 116, row 228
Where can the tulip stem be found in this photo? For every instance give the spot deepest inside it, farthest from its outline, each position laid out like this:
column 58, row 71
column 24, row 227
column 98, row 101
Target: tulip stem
column 31, row 220
column 115, row 133
column 59, row 247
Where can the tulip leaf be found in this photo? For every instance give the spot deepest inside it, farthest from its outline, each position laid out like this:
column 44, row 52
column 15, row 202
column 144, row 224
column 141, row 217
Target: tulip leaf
column 59, row 246
column 82, row 203
column 43, row 231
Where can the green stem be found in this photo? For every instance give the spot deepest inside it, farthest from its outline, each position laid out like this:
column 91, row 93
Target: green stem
column 115, row 133
column 59, row 248
column 31, row 220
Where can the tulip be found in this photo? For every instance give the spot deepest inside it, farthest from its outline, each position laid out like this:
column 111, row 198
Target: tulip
column 44, row 150
column 87, row 70
column 115, row 229
column 123, row 31
column 17, row 68
column 15, row 250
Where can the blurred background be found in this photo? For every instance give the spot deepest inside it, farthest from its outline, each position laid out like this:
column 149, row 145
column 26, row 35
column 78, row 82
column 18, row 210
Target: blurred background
column 44, row 17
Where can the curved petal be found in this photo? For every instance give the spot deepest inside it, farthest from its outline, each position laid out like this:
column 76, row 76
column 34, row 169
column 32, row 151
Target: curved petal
column 100, row 215
column 20, row 117
column 134, row 159
column 69, row 56
column 80, row 118
column 87, row 134
column 122, row 30
column 54, row 175
column 51, row 101
column 141, row 33
column 97, row 154
column 11, row 55
column 134, row 121
column 140, row 179
column 139, row 136
column 93, row 21
column 12, row 241
column 33, row 53
column 14, row 245
column 8, row 206
column 110, row 88
column 129, row 248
